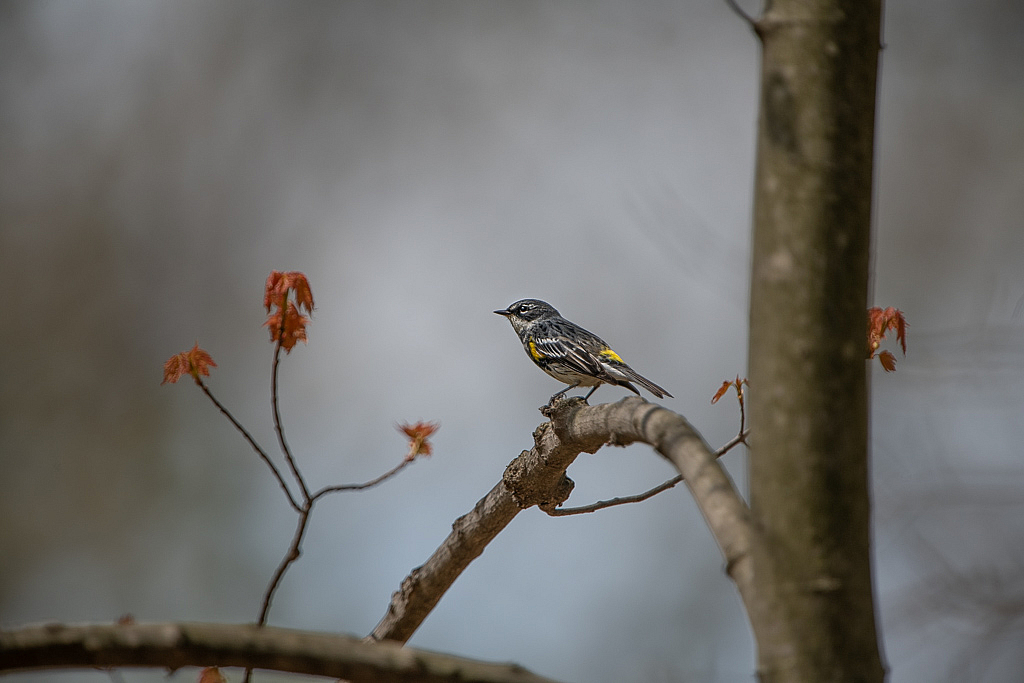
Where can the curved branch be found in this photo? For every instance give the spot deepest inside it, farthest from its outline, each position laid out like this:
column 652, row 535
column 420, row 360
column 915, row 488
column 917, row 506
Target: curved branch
column 173, row 646
column 537, row 477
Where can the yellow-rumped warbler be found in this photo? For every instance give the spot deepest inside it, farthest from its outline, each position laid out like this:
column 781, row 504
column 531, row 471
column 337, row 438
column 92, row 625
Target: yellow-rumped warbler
column 569, row 353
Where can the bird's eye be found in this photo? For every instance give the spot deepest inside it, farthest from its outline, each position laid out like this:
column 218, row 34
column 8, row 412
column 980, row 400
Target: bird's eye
column 525, row 307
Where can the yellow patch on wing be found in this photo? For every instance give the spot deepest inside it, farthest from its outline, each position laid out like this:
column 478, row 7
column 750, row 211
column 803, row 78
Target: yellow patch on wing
column 534, row 353
column 611, row 355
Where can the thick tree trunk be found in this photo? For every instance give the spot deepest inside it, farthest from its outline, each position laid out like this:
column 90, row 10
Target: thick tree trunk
column 813, row 613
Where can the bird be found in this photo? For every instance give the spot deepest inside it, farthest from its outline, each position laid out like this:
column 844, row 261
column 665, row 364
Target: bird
column 570, row 353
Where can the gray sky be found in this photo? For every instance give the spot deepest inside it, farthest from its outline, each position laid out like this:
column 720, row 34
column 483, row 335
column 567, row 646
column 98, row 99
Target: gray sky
column 425, row 164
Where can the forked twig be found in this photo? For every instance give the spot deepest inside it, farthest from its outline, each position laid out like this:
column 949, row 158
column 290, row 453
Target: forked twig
column 288, row 326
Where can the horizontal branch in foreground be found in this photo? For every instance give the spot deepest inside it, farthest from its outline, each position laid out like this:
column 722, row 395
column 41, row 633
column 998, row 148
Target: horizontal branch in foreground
column 174, row 645
column 537, row 477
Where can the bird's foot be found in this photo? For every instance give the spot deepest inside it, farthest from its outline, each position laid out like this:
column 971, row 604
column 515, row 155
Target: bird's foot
column 559, row 403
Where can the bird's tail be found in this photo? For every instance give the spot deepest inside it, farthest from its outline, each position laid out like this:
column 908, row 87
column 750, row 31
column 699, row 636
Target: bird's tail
column 647, row 384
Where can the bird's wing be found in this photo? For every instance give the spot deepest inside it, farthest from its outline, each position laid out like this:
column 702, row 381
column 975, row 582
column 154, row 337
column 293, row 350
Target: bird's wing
column 553, row 348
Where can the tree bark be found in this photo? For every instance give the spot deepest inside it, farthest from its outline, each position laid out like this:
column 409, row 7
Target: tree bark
column 813, row 609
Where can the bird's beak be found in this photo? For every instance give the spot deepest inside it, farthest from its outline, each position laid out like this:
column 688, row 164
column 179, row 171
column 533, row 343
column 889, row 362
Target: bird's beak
column 505, row 313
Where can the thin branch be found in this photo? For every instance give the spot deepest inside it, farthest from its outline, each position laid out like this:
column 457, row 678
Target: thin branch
column 172, row 646
column 365, row 485
column 277, row 419
column 293, row 554
column 294, row 551
column 743, row 419
column 623, row 500
column 741, row 13
column 740, row 438
column 252, row 442
column 640, row 497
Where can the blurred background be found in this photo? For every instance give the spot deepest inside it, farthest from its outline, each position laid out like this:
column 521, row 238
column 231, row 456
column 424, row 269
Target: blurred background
column 425, row 164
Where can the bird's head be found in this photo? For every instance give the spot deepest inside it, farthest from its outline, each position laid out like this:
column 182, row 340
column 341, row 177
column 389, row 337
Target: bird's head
column 526, row 311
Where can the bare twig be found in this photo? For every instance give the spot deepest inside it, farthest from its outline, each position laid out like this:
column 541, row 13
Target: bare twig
column 640, row 497
column 252, row 442
column 365, row 485
column 743, row 421
column 741, row 13
column 740, row 438
column 622, row 500
column 173, row 646
column 294, row 551
column 277, row 419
